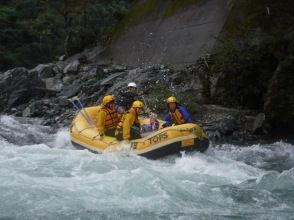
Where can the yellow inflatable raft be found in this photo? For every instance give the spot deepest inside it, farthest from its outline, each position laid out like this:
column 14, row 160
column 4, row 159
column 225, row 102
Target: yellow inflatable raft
column 158, row 144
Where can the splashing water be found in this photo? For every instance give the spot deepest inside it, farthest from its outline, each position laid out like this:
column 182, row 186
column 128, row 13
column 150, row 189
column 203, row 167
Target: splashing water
column 43, row 177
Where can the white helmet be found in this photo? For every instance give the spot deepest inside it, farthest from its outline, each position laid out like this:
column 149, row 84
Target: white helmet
column 132, row 84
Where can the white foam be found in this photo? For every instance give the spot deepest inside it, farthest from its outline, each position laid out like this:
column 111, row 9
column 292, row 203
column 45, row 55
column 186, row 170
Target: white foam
column 60, row 180
column 221, row 167
column 62, row 139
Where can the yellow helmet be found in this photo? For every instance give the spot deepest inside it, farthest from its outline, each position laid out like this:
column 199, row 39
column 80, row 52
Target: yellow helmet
column 138, row 104
column 171, row 99
column 107, row 99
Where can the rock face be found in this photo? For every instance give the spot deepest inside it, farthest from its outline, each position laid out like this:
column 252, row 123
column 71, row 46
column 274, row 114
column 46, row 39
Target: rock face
column 231, row 125
column 18, row 86
column 279, row 102
column 177, row 41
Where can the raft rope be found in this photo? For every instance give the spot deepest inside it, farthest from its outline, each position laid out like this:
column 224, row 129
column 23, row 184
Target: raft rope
column 78, row 106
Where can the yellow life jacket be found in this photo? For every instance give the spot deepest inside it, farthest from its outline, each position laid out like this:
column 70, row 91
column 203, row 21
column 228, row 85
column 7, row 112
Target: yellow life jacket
column 112, row 117
column 177, row 117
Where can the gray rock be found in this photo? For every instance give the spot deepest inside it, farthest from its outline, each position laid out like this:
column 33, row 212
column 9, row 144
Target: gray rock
column 63, row 101
column 18, row 86
column 72, row 68
column 35, row 109
column 117, row 68
column 53, row 83
column 62, row 58
column 71, row 90
column 91, row 86
column 14, row 73
column 46, row 70
column 111, row 78
column 228, row 126
column 89, row 54
column 258, row 124
column 177, row 40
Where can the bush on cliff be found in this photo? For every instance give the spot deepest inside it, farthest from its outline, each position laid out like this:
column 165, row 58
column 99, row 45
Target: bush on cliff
column 254, row 60
column 36, row 31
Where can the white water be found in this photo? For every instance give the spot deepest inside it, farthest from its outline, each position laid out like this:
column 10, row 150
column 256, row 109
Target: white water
column 43, row 177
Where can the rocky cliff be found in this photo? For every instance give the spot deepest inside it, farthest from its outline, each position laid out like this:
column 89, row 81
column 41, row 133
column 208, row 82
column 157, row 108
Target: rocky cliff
column 174, row 33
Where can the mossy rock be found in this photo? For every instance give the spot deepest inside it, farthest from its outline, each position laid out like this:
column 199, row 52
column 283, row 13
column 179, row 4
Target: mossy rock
column 144, row 8
column 139, row 11
column 177, row 5
column 69, row 79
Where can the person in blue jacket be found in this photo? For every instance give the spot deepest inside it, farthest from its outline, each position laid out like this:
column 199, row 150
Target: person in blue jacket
column 178, row 114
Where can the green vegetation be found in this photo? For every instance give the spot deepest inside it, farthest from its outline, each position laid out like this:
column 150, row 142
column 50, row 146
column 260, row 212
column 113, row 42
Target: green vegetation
column 157, row 99
column 28, row 31
column 176, row 5
column 37, row 31
column 257, row 37
column 245, row 71
column 69, row 80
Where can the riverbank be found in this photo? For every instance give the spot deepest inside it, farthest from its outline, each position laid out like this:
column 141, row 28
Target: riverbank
column 43, row 92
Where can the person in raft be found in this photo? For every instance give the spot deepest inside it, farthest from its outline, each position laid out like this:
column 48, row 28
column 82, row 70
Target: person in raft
column 177, row 115
column 125, row 98
column 129, row 126
column 153, row 124
column 107, row 117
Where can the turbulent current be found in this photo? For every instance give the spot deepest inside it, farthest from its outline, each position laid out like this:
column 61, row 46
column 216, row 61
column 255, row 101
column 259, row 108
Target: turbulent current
column 43, row 177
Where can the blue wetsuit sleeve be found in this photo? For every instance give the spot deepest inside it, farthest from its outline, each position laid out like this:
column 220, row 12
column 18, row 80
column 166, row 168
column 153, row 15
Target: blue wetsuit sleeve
column 168, row 121
column 186, row 114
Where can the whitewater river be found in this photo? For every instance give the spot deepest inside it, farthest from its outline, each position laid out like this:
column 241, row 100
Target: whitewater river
column 43, row 177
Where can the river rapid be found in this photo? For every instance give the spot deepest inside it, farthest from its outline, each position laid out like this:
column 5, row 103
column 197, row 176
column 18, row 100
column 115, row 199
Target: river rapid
column 42, row 176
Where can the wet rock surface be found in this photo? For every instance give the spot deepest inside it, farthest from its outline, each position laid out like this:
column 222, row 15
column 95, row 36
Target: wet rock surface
column 279, row 101
column 18, row 86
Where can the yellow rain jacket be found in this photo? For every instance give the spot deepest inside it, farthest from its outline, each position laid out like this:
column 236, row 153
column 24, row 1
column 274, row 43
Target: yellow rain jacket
column 128, row 120
column 107, row 119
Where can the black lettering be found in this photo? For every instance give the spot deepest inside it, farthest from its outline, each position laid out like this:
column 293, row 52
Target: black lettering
column 159, row 137
column 165, row 136
column 155, row 139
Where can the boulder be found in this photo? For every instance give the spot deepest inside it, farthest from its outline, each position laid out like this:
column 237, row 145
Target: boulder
column 71, row 90
column 53, row 83
column 260, row 124
column 46, row 70
column 87, row 55
column 227, row 126
column 18, row 86
column 110, row 80
column 35, row 109
column 72, row 68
